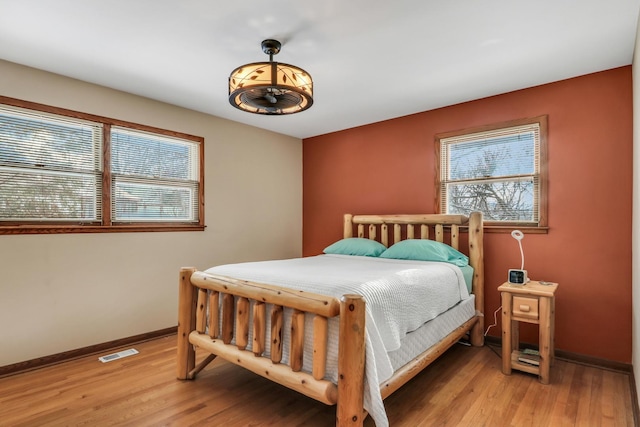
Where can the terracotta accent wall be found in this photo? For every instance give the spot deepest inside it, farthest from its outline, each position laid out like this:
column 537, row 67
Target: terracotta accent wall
column 388, row 167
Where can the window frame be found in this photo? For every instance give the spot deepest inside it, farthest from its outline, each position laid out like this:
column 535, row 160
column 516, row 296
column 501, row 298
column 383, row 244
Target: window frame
column 106, row 225
column 503, row 226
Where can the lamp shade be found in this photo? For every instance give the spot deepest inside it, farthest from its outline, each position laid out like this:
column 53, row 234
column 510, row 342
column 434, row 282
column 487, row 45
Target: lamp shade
column 270, row 87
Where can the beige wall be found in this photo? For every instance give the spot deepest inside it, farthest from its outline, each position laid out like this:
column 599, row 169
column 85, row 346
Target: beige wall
column 62, row 292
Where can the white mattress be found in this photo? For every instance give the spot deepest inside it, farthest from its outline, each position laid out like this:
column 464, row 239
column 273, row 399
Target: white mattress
column 431, row 332
column 375, row 278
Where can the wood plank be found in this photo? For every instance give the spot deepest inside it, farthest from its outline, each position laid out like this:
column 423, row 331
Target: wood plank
column 214, row 314
column 201, row 313
column 142, row 390
column 186, row 322
column 276, row 333
column 271, row 294
column 424, row 231
column 347, row 231
column 259, row 327
column 384, row 235
column 228, row 315
column 439, row 233
column 372, row 232
column 296, row 350
column 242, row 323
column 410, row 219
column 476, row 260
column 323, row 391
column 455, row 237
column 351, row 361
column 320, row 334
column 66, row 356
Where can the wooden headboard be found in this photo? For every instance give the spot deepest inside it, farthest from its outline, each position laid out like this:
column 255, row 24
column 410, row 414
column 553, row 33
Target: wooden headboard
column 441, row 228
column 370, row 225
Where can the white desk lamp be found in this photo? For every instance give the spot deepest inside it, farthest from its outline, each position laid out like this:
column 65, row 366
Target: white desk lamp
column 518, row 277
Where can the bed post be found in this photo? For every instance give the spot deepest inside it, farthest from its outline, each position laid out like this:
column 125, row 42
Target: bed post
column 347, row 226
column 476, row 259
column 351, row 357
column 186, row 323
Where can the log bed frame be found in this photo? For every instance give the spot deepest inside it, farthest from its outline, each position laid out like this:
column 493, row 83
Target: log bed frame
column 206, row 298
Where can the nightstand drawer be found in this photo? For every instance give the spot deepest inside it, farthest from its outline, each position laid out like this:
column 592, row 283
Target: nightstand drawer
column 525, row 307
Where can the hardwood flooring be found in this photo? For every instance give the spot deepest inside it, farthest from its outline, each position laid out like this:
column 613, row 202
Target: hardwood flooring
column 465, row 387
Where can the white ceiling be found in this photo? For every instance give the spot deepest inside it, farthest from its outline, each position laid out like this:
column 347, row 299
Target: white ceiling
column 371, row 60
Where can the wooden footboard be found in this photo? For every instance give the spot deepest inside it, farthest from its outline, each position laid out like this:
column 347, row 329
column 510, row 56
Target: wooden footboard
column 215, row 310
column 218, row 314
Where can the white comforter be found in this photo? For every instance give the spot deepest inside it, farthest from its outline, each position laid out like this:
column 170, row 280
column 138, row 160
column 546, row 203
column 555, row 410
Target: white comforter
column 401, row 296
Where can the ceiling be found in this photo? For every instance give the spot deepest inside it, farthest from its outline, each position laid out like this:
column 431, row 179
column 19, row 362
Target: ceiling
column 371, row 60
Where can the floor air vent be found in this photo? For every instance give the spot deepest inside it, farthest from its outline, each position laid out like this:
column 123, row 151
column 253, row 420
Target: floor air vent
column 118, row 355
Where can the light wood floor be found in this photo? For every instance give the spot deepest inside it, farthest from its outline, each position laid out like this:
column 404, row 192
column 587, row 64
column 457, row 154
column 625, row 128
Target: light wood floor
column 464, row 388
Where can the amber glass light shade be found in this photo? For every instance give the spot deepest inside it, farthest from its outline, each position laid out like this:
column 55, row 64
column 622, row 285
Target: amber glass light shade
column 270, row 87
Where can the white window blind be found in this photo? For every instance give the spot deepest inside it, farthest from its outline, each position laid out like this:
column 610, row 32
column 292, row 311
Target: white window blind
column 50, row 167
column 154, row 177
column 496, row 172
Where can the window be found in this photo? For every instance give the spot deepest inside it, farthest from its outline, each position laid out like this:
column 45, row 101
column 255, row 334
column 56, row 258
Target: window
column 64, row 171
column 499, row 170
column 155, row 178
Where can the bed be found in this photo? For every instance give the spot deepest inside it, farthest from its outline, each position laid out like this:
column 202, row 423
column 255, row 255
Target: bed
column 316, row 343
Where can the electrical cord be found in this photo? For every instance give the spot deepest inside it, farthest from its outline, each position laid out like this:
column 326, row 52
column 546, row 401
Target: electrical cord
column 495, row 321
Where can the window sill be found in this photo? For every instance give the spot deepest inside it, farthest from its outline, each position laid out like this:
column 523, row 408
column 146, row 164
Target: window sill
column 526, row 229
column 73, row 229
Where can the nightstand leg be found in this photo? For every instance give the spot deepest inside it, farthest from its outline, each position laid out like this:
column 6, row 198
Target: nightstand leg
column 545, row 339
column 507, row 325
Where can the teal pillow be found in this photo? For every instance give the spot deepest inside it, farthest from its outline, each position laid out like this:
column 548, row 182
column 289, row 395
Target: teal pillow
column 425, row 250
column 356, row 246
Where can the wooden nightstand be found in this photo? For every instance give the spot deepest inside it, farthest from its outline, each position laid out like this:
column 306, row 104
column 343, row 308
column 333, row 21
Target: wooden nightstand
column 530, row 303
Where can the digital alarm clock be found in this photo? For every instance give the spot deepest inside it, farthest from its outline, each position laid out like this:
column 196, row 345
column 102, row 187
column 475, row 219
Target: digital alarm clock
column 518, row 277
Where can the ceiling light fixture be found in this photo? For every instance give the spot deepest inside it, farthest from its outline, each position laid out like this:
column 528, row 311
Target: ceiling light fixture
column 271, row 88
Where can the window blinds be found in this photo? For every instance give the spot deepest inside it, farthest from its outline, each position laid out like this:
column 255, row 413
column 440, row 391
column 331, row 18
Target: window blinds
column 154, row 177
column 496, row 172
column 50, row 167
